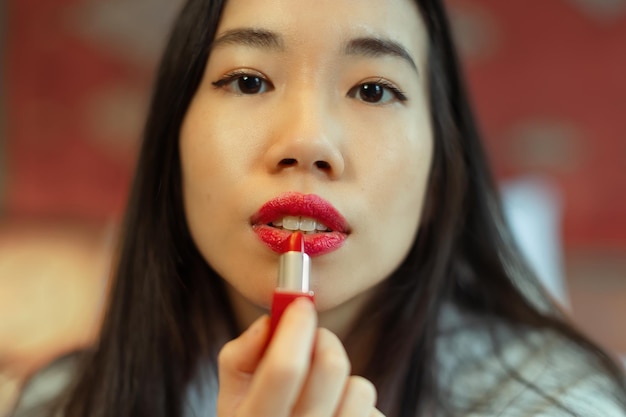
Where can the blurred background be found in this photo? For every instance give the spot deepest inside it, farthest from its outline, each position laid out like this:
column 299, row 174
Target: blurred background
column 549, row 86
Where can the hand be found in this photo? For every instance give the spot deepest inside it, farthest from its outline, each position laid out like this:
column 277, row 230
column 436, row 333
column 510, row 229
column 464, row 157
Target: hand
column 305, row 371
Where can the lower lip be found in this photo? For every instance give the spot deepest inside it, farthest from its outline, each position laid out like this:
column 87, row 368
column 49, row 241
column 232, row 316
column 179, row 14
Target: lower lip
column 315, row 244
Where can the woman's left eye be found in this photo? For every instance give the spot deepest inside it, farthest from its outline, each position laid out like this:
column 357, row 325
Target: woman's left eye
column 378, row 92
column 242, row 83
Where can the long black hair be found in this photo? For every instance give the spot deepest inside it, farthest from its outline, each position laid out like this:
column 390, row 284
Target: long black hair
column 168, row 309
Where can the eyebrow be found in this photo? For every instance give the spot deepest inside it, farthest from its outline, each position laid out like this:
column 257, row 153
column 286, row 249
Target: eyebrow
column 256, row 38
column 265, row 39
column 378, row 47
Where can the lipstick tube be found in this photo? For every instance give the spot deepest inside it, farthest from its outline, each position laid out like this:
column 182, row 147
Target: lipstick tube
column 293, row 279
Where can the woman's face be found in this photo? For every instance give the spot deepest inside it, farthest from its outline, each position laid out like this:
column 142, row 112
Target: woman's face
column 309, row 111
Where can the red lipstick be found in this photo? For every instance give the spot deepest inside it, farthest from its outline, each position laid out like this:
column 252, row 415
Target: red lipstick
column 293, row 278
column 300, row 205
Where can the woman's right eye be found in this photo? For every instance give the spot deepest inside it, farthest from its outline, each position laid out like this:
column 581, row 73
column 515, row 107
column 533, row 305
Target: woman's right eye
column 242, row 83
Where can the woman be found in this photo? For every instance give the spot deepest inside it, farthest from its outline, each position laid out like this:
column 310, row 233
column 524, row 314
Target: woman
column 355, row 109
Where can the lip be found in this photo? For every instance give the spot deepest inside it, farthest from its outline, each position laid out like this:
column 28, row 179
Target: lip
column 298, row 204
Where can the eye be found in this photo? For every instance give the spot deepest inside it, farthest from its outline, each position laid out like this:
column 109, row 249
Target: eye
column 243, row 83
column 377, row 92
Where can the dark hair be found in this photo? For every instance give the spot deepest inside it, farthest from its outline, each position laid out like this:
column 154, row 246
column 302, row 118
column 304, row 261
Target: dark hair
column 168, row 309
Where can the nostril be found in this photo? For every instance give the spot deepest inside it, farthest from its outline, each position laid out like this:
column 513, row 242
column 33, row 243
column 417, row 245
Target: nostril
column 288, row 162
column 323, row 165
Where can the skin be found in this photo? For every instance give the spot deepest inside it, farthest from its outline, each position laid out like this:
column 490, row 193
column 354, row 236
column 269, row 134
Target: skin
column 303, row 372
column 376, row 154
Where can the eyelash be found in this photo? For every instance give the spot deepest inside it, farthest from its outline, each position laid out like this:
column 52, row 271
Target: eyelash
column 230, row 77
column 233, row 76
column 398, row 94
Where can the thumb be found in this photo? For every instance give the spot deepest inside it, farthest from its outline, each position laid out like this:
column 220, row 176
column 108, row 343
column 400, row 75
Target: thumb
column 237, row 362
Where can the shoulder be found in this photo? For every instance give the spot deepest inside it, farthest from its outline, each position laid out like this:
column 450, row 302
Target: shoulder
column 43, row 390
column 488, row 368
column 201, row 395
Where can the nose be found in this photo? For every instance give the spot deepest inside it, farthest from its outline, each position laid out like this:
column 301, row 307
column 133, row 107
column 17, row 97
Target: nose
column 306, row 138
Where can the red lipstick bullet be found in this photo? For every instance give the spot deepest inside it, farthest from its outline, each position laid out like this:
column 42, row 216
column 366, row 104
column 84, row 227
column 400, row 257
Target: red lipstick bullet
column 293, row 278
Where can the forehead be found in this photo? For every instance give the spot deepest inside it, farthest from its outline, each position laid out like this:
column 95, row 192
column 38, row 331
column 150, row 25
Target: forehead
column 324, row 23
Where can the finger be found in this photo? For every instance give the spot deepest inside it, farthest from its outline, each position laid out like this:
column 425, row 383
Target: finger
column 282, row 371
column 237, row 362
column 376, row 413
column 359, row 399
column 325, row 383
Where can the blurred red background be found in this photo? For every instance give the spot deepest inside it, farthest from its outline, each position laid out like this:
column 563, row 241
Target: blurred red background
column 549, row 86
column 548, row 82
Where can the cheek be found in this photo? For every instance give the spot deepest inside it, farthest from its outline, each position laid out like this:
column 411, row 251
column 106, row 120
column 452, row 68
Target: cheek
column 216, row 160
column 199, row 166
column 206, row 165
column 391, row 168
column 216, row 154
column 398, row 180
column 399, row 170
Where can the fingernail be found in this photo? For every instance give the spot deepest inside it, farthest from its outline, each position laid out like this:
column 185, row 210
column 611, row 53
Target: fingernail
column 303, row 303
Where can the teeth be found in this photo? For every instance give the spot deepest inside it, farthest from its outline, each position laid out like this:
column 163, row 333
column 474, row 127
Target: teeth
column 321, row 227
column 291, row 223
column 305, row 224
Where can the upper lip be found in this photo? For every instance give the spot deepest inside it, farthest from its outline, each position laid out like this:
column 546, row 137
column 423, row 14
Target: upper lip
column 298, row 204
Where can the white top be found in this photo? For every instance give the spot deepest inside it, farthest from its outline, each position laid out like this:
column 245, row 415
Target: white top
column 472, row 376
column 478, row 379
